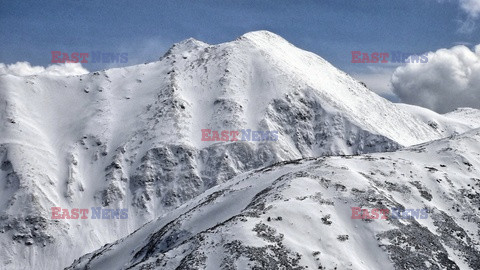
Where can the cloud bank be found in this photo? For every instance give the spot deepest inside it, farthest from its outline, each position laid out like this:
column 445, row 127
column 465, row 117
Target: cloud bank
column 449, row 80
column 25, row 69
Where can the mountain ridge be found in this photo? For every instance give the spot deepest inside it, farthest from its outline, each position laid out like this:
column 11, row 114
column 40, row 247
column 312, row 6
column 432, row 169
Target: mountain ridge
column 297, row 215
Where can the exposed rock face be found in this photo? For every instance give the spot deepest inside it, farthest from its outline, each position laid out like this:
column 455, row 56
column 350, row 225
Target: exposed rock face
column 298, row 215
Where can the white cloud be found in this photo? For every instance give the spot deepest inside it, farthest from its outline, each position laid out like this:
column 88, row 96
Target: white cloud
column 467, row 26
column 25, row 69
column 450, row 79
column 472, row 10
column 471, row 7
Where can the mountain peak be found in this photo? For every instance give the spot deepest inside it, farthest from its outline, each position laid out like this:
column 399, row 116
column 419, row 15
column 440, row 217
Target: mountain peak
column 262, row 36
column 185, row 46
column 259, row 38
column 191, row 42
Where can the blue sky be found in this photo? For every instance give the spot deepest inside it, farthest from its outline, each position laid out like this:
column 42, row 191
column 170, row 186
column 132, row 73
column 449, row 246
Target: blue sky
column 30, row 30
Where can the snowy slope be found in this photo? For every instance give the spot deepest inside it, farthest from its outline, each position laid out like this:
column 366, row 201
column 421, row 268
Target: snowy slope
column 444, row 123
column 297, row 215
column 131, row 137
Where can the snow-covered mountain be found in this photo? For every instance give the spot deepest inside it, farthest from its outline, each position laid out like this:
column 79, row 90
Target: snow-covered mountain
column 132, row 137
column 298, row 215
